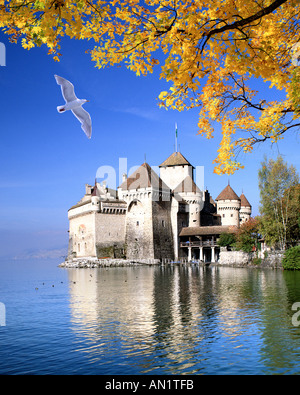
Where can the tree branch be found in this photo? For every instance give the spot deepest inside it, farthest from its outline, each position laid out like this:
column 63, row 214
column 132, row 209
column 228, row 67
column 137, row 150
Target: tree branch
column 244, row 21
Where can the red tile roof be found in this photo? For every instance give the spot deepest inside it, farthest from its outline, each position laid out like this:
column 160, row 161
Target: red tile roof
column 207, row 230
column 176, row 159
column 244, row 201
column 144, row 177
column 228, row 194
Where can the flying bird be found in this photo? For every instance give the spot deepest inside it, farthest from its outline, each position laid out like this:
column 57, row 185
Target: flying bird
column 74, row 104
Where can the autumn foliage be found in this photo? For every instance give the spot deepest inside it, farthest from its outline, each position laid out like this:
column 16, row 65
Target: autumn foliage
column 247, row 235
column 211, row 52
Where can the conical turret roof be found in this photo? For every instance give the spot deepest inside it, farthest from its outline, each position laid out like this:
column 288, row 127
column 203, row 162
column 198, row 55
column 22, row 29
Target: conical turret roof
column 187, row 185
column 244, row 201
column 228, row 194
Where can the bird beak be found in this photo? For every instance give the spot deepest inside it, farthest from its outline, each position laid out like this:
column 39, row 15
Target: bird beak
column 87, row 100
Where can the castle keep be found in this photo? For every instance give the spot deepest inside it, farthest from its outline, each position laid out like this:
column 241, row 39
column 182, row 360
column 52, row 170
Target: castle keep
column 153, row 216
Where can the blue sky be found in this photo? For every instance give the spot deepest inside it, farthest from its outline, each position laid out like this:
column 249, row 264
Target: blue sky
column 46, row 158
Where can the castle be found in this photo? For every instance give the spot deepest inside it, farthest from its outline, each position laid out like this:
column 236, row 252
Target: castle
column 153, row 216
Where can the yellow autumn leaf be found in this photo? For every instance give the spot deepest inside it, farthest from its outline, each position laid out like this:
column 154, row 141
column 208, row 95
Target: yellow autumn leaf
column 212, row 53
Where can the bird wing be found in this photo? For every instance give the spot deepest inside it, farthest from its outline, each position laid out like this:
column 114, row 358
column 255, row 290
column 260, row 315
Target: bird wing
column 67, row 88
column 85, row 120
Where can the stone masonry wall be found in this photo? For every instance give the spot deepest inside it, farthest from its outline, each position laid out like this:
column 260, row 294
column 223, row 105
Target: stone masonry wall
column 235, row 258
column 240, row 258
column 162, row 230
column 81, row 235
column 110, row 234
column 139, row 233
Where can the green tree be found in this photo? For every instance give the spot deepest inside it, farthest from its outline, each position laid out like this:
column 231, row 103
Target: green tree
column 291, row 205
column 226, row 239
column 291, row 259
column 276, row 183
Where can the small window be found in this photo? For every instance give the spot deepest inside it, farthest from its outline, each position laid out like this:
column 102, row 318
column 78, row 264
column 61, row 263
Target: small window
column 137, row 223
column 231, row 215
column 223, row 215
column 163, row 222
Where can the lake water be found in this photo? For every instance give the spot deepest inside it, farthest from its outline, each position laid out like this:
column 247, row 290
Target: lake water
column 148, row 320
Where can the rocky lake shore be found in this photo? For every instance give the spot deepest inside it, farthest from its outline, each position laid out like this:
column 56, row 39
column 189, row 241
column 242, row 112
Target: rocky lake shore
column 227, row 258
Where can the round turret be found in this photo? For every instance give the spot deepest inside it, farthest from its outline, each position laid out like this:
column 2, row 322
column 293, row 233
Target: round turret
column 188, row 192
column 245, row 211
column 228, row 207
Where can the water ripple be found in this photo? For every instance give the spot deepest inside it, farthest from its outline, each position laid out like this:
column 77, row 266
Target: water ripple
column 149, row 320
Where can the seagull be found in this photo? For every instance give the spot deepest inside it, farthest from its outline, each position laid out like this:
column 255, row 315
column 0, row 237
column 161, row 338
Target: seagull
column 74, row 104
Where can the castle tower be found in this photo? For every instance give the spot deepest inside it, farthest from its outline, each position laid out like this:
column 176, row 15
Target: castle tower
column 228, row 207
column 97, row 224
column 188, row 192
column 175, row 169
column 245, row 211
column 187, row 203
column 178, row 174
column 148, row 221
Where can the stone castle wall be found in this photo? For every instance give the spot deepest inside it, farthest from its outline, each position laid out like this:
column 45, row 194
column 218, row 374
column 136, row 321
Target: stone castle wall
column 82, row 235
column 162, row 230
column 240, row 258
column 139, row 236
column 235, row 258
column 97, row 234
column 110, row 235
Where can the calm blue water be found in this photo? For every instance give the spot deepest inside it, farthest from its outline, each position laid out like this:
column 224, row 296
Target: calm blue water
column 147, row 320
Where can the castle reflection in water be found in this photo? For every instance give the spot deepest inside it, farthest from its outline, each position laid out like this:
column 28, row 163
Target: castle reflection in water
column 184, row 319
